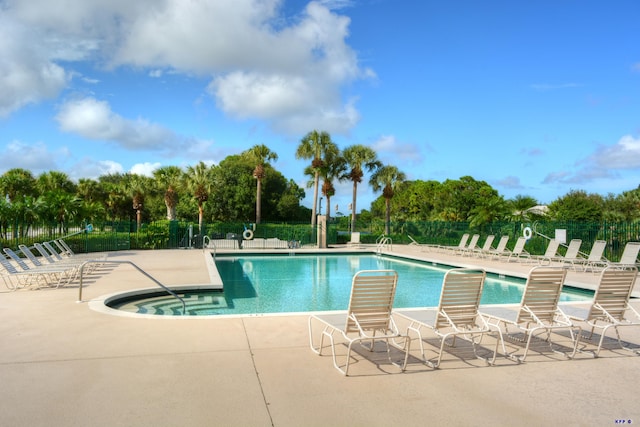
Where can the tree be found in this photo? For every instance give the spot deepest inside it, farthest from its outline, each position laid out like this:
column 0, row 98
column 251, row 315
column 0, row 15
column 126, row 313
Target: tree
column 521, row 206
column 388, row 178
column 116, row 190
column 55, row 181
column 334, row 168
column 199, row 183
column 169, row 178
column 315, row 146
column 577, row 205
column 489, row 207
column 16, row 183
column 138, row 186
column 456, row 198
column 260, row 155
column 357, row 158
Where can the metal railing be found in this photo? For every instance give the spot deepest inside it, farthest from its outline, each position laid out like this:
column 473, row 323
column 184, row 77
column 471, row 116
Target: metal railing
column 383, row 242
column 184, row 305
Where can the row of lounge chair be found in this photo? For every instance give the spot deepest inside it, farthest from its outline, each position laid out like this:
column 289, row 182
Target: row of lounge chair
column 370, row 316
column 49, row 264
column 594, row 261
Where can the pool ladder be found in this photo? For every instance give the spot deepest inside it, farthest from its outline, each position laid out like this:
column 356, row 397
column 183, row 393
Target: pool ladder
column 384, row 243
column 169, row 291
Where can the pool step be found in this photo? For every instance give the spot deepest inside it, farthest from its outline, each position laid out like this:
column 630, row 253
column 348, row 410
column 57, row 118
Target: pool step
column 170, row 306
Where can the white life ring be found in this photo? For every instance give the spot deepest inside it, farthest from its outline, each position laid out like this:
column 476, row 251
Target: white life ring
column 527, row 233
column 247, row 234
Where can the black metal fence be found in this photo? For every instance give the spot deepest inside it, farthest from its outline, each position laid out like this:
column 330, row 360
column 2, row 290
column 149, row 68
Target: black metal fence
column 114, row 236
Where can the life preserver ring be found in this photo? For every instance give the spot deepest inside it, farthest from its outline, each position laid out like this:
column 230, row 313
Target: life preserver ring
column 527, row 233
column 247, row 234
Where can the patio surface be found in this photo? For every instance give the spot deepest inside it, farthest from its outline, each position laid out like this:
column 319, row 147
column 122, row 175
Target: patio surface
column 64, row 364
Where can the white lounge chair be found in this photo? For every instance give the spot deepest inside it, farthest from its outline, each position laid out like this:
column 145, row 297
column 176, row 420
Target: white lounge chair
column 14, row 278
column 424, row 246
column 455, row 316
column 413, row 241
column 538, row 312
column 629, row 255
column 518, row 253
column 550, row 254
column 461, row 245
column 472, row 246
column 500, row 250
column 355, row 240
column 486, row 246
column 610, row 306
column 368, row 318
column 596, row 258
column 572, row 255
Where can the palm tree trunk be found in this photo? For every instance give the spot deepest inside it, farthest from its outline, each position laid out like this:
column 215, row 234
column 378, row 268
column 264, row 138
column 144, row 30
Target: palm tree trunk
column 259, row 202
column 315, row 199
column 328, row 209
column 353, row 207
column 387, row 203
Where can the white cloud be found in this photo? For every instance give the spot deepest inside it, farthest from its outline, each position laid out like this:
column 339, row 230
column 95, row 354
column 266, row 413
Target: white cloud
column 93, row 169
column 26, row 75
column 287, row 70
column 625, row 154
column 391, row 151
column 608, row 162
column 94, row 119
column 510, row 182
column 145, row 169
column 35, row 156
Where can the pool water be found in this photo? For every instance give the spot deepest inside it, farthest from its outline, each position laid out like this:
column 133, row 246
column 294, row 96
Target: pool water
column 304, row 283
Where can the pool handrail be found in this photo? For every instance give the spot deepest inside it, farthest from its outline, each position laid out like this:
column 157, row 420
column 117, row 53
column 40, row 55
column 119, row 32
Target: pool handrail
column 172, row 293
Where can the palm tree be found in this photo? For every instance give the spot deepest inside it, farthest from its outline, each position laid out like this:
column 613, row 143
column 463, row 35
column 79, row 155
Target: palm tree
column 137, row 188
column 334, row 168
column 55, row 181
column 260, row 155
column 16, row 183
column 521, row 205
column 199, row 183
column 358, row 157
column 315, row 145
column 169, row 178
column 387, row 178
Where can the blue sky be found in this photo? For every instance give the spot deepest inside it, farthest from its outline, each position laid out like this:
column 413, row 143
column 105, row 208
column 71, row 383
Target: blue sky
column 535, row 98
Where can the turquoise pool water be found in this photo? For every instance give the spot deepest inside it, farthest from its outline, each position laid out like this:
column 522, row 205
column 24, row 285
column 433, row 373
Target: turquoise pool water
column 303, row 283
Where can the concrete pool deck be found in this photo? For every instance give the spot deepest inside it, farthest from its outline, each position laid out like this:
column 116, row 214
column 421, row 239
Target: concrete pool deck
column 64, row 364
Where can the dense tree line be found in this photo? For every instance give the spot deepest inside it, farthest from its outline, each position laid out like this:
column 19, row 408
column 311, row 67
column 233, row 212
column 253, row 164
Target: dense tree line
column 466, row 199
column 247, row 188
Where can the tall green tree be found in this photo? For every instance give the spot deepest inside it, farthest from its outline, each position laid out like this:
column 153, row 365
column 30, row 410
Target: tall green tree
column 315, row 146
column 388, row 178
column 577, row 205
column 489, row 207
column 169, row 179
column 334, row 168
column 117, row 199
column 199, row 181
column 521, row 206
column 358, row 158
column 138, row 188
column 16, row 183
column 456, row 198
column 55, row 181
column 260, row 155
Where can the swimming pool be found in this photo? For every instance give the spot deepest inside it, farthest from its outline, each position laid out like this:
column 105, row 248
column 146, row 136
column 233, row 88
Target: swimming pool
column 258, row 284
